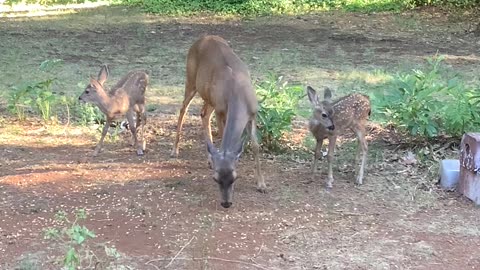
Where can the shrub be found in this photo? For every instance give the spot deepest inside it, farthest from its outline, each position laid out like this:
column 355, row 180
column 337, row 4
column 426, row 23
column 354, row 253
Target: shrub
column 278, row 106
column 269, row 7
column 72, row 236
column 428, row 104
column 37, row 96
column 74, row 239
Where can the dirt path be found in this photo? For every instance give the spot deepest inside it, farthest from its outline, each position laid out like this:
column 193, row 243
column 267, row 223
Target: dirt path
column 151, row 207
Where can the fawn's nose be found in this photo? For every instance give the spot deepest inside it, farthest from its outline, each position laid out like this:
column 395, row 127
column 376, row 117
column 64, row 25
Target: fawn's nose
column 332, row 127
column 226, row 204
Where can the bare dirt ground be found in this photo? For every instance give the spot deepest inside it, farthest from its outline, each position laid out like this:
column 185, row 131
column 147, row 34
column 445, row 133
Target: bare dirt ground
column 151, row 208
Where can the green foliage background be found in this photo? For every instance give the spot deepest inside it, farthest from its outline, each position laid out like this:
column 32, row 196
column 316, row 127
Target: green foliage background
column 266, row 7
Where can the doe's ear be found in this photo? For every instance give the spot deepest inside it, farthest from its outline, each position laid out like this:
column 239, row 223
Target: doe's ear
column 239, row 151
column 312, row 95
column 211, row 149
column 103, row 75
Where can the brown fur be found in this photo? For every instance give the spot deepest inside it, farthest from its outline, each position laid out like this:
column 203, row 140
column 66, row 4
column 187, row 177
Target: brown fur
column 126, row 97
column 223, row 82
column 331, row 119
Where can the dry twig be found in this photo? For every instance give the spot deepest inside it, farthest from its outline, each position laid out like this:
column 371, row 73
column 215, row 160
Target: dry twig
column 208, row 258
column 180, row 251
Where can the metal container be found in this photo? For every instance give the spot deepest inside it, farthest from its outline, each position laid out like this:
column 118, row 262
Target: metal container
column 469, row 182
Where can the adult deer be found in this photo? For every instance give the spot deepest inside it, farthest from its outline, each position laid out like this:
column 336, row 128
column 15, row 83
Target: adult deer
column 333, row 118
column 223, row 82
column 124, row 99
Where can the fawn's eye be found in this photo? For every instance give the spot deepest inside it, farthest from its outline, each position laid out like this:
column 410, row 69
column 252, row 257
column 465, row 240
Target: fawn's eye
column 87, row 91
column 324, row 115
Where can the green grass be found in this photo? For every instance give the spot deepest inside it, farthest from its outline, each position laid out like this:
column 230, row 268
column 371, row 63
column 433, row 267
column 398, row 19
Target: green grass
column 128, row 39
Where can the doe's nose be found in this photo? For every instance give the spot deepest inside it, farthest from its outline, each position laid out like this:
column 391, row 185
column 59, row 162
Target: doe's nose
column 226, row 204
column 332, row 127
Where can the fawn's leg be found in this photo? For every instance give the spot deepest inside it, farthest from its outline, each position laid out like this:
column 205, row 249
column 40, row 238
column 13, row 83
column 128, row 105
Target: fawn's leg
column 189, row 94
column 144, row 122
column 133, row 129
column 104, row 132
column 331, row 149
column 261, row 186
column 317, row 155
column 363, row 146
column 140, row 125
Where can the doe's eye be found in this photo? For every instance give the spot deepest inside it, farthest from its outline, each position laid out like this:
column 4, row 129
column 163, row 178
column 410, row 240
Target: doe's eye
column 324, row 115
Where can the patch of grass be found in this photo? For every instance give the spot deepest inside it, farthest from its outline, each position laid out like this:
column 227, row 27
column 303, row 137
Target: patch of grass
column 29, row 262
column 176, row 184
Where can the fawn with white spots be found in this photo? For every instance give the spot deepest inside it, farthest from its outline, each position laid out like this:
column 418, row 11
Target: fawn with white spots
column 124, row 99
column 332, row 118
column 223, row 81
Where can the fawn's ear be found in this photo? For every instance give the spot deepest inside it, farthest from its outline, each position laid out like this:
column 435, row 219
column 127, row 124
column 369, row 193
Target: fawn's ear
column 103, row 75
column 96, row 85
column 327, row 95
column 312, row 95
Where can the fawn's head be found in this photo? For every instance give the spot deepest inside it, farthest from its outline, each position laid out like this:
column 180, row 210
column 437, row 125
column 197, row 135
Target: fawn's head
column 224, row 165
column 323, row 109
column 91, row 93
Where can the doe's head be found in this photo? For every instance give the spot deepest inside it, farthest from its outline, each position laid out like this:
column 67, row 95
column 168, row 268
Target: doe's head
column 91, row 92
column 323, row 109
column 224, row 165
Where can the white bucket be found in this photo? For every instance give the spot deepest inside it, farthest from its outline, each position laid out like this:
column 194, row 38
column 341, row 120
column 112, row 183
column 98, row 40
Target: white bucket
column 449, row 173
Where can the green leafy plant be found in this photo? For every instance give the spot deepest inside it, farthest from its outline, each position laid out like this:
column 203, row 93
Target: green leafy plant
column 35, row 96
column 87, row 114
column 427, row 103
column 19, row 102
column 74, row 239
column 44, row 98
column 278, row 106
column 73, row 236
column 270, row 7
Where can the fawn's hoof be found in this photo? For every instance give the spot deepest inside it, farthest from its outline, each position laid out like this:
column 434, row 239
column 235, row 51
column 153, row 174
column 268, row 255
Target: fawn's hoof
column 328, row 186
column 359, row 182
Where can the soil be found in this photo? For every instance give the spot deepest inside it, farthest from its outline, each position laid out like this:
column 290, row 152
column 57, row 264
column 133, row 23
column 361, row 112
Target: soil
column 160, row 212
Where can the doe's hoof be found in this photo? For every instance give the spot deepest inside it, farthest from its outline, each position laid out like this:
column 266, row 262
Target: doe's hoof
column 262, row 189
